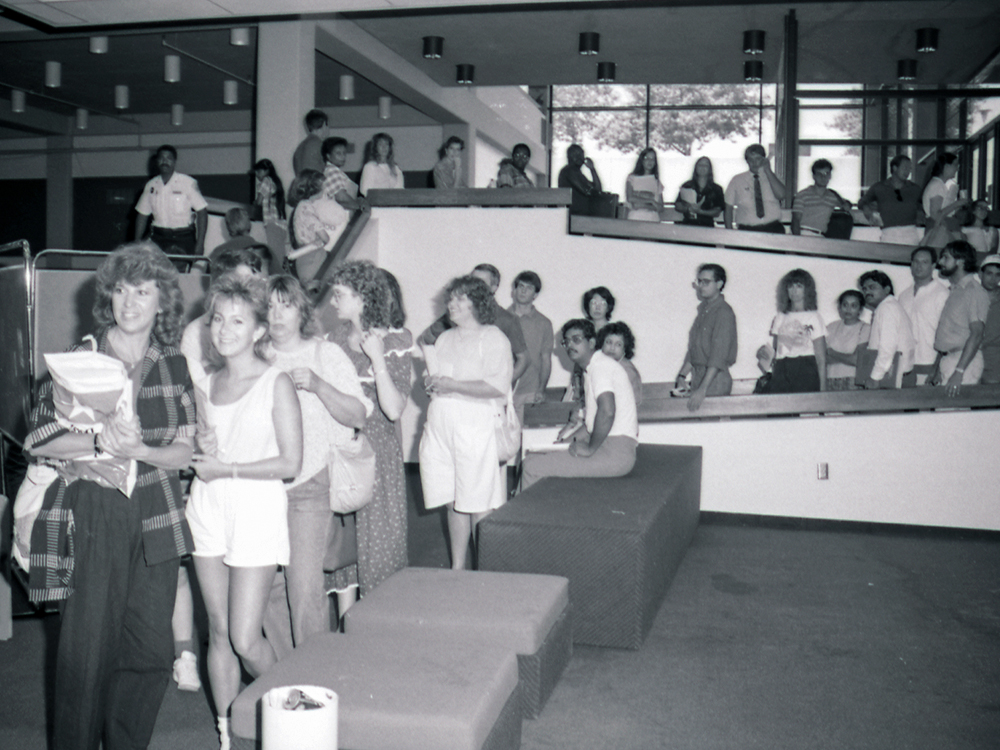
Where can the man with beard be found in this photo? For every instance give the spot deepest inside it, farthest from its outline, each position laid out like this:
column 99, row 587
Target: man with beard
column 171, row 198
column 923, row 303
column 989, row 275
column 605, row 446
column 963, row 320
column 890, row 347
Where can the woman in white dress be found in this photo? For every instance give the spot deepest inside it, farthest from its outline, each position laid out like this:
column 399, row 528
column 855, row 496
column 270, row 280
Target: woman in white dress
column 941, row 202
column 238, row 506
column 381, row 171
column 469, row 370
column 643, row 191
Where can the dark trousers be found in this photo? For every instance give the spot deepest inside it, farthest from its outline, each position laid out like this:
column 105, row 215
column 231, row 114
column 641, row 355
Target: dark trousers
column 175, row 241
column 772, row 227
column 115, row 643
column 795, row 375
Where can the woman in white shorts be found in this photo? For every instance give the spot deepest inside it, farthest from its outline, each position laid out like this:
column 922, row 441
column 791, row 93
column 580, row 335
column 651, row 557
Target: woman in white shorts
column 238, row 506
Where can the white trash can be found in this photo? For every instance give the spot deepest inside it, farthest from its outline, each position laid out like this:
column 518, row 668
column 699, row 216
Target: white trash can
column 299, row 717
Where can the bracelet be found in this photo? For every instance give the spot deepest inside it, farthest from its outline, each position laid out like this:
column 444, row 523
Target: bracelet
column 960, row 369
column 234, row 471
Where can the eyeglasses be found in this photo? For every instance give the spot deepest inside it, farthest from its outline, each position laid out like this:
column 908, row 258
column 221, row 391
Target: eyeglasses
column 578, row 338
column 704, row 282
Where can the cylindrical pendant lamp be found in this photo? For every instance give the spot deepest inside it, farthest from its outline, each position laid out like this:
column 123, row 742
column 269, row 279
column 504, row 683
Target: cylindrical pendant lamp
column 384, row 107
column 906, row 70
column 606, row 72
column 465, row 74
column 82, row 118
column 240, row 36
column 177, row 115
column 17, row 100
column 121, row 97
column 753, row 42
column 346, row 88
column 230, row 92
column 590, row 42
column 433, row 47
column 98, row 45
column 172, row 68
column 753, row 71
column 53, row 74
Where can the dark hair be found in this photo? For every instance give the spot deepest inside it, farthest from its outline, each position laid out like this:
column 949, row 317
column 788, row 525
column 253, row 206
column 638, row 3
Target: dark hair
column 879, row 277
column 229, row 260
column 796, row 276
column 640, row 170
column 368, row 281
column 520, row 145
column 315, row 119
column 924, row 249
column 263, row 252
column 371, row 152
column 444, row 147
column 252, row 291
column 972, row 212
column 289, row 289
column 135, row 264
column 604, row 293
column 306, row 185
column 963, row 251
column 529, row 277
column 167, row 147
column 851, row 293
column 821, row 164
column 754, row 148
column 718, row 272
column 330, row 144
column 397, row 313
column 618, row 329
column 897, row 160
column 238, row 221
column 279, row 188
column 942, row 161
column 711, row 172
column 478, row 293
column 585, row 326
column 574, row 147
column 492, row 270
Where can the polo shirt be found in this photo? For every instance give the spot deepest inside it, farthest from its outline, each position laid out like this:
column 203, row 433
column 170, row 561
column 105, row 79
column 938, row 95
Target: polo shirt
column 334, row 180
column 603, row 375
column 967, row 303
column 539, row 339
column 308, row 155
column 816, row 205
column 895, row 210
column 712, row 339
column 171, row 204
column 923, row 307
column 740, row 195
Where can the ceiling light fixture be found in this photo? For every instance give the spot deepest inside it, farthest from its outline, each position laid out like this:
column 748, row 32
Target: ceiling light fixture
column 82, row 117
column 121, row 97
column 17, row 99
column 384, row 107
column 590, row 42
column 753, row 71
column 53, row 74
column 927, row 39
column 753, row 42
column 906, row 70
column 239, row 37
column 177, row 115
column 98, row 45
column 346, row 88
column 433, row 47
column 465, row 74
column 172, row 68
column 606, row 72
column 230, row 93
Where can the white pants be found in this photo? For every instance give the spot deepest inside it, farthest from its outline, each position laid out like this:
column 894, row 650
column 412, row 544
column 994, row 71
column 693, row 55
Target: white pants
column 973, row 373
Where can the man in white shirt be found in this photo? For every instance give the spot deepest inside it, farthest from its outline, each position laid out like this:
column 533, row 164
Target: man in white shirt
column 890, row 335
column 179, row 212
column 605, row 445
column 754, row 198
column 923, row 303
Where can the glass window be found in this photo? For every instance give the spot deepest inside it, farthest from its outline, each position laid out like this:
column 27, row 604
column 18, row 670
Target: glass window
column 721, row 94
column 991, row 168
column 599, row 95
column 981, row 113
column 612, row 139
column 974, row 167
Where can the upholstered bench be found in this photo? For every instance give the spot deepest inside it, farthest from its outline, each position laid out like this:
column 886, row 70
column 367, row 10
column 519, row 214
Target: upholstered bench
column 421, row 693
column 619, row 541
column 529, row 614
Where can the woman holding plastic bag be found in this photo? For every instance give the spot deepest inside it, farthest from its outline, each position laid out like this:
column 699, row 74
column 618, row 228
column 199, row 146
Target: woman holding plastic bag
column 113, row 559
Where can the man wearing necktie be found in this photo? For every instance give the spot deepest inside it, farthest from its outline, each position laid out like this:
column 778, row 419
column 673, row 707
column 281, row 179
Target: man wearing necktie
column 754, row 197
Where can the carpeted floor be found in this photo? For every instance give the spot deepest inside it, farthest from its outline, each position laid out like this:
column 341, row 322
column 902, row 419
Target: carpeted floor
column 769, row 638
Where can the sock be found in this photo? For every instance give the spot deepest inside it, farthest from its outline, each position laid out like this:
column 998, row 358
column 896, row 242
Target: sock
column 182, row 646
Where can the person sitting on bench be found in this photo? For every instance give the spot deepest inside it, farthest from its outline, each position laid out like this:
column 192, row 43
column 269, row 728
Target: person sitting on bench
column 605, row 445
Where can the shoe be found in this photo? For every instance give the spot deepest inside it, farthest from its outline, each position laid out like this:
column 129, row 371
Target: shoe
column 186, row 672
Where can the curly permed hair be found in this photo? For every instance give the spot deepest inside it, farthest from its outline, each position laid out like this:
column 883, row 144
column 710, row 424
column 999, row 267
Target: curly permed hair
column 367, row 280
column 796, row 276
column 483, row 305
column 618, row 329
column 135, row 264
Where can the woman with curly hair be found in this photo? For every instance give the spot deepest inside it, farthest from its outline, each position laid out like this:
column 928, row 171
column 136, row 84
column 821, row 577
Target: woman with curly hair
column 616, row 340
column 799, row 337
column 469, row 370
column 112, row 558
column 380, row 170
column 379, row 348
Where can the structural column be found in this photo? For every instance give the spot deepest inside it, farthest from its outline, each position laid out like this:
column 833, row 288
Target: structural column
column 286, row 90
column 59, row 193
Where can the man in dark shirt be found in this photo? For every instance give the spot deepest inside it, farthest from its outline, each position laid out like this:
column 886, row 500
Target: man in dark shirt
column 505, row 321
column 897, row 201
column 308, row 154
column 571, row 176
column 711, row 342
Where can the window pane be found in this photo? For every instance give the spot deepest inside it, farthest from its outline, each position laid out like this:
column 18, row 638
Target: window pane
column 991, row 165
column 599, row 95
column 612, row 139
column 830, row 122
column 981, row 113
column 974, row 186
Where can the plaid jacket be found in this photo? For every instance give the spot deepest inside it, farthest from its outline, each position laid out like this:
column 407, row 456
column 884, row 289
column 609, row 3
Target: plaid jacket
column 166, row 410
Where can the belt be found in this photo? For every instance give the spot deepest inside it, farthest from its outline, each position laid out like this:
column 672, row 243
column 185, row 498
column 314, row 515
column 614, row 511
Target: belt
column 164, row 230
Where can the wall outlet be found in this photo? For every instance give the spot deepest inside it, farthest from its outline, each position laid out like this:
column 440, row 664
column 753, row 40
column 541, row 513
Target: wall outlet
column 823, row 470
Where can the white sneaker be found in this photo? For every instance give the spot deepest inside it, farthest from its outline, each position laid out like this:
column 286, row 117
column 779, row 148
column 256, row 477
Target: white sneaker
column 186, row 672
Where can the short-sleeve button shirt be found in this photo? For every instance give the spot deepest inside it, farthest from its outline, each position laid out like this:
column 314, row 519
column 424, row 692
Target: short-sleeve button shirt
column 171, row 205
